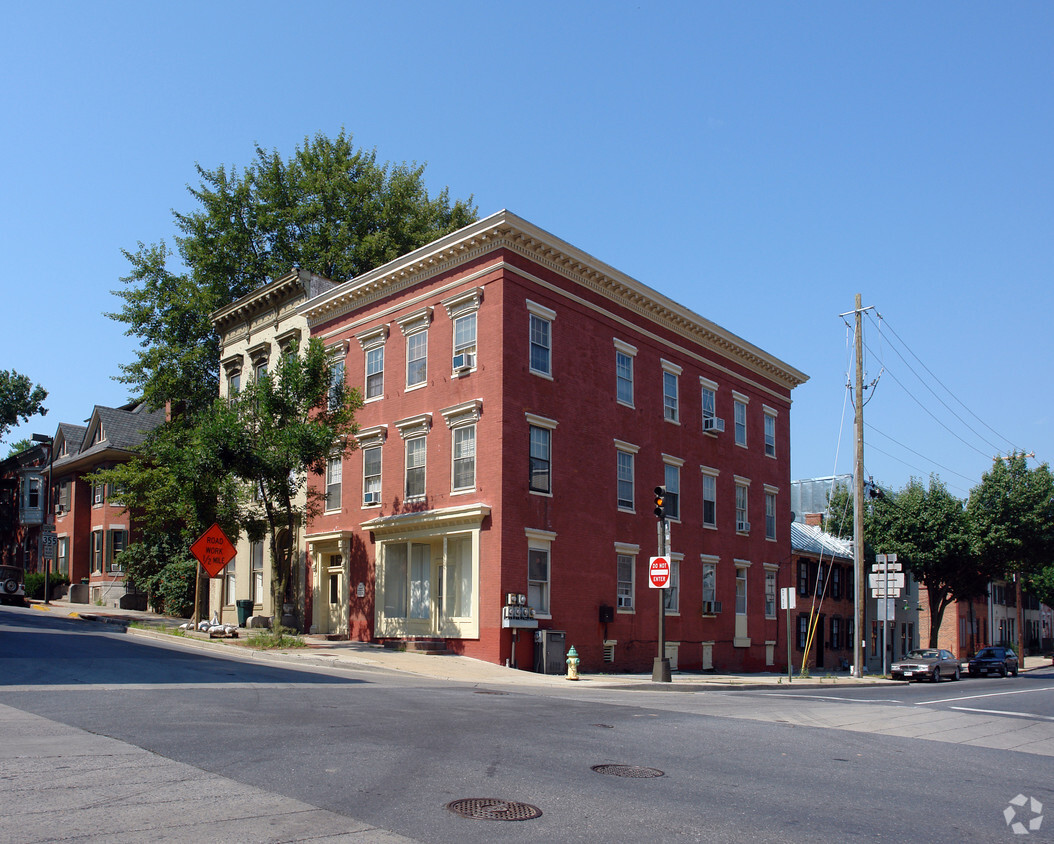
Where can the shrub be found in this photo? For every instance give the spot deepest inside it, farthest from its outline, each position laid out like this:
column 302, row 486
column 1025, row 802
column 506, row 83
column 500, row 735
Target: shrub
column 35, row 583
column 172, row 590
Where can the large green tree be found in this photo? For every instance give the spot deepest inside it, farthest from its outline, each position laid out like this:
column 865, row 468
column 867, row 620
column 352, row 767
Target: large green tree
column 270, row 435
column 1012, row 520
column 20, row 399
column 330, row 208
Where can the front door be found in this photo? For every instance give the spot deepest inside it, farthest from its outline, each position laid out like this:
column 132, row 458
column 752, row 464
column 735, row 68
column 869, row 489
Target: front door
column 334, row 593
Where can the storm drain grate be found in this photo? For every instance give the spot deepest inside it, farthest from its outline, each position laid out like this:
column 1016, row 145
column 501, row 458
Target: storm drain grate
column 493, row 809
column 628, row 771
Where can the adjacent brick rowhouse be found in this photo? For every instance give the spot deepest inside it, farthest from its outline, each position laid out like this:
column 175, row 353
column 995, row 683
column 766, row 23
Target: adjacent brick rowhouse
column 444, row 560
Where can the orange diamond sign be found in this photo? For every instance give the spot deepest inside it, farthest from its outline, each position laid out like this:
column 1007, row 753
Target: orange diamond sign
column 213, row 550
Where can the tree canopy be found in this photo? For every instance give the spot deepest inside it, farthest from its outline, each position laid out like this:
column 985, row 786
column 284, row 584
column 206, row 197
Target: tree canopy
column 330, row 208
column 20, row 399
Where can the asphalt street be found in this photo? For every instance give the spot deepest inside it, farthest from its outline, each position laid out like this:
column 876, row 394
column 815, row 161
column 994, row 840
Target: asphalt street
column 112, row 737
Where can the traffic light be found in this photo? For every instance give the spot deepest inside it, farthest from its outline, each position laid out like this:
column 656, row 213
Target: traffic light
column 660, row 502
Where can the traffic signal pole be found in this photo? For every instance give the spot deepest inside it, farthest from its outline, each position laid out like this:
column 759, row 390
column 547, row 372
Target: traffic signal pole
column 660, row 671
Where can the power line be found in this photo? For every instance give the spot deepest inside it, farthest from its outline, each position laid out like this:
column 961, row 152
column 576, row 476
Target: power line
column 918, row 454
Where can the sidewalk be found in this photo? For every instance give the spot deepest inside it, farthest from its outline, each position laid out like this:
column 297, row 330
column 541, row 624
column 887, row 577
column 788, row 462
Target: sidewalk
column 322, row 652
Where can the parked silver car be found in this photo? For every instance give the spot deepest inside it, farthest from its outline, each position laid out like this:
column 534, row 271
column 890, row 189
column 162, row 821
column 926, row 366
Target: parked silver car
column 926, row 664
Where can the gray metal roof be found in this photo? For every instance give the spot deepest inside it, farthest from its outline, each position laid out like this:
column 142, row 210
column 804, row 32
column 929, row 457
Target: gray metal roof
column 808, row 539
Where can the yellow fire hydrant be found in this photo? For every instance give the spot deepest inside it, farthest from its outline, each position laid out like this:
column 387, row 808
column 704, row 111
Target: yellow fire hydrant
column 572, row 664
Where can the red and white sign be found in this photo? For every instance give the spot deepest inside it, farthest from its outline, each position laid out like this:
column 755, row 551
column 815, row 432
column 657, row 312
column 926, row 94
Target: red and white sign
column 659, row 572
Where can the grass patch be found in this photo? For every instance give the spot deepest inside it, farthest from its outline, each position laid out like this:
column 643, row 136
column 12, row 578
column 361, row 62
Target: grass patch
column 280, row 638
column 162, row 628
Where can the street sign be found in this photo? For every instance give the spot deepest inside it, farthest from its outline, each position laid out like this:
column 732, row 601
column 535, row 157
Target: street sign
column 659, row 572
column 788, row 598
column 213, row 550
column 887, row 610
column 47, row 528
column 886, row 580
column 48, row 543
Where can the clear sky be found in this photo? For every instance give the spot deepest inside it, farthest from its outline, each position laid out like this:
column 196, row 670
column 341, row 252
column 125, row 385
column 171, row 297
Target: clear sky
column 760, row 163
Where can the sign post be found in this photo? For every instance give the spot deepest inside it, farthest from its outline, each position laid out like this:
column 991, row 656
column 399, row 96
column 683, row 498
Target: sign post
column 213, row 550
column 886, row 582
column 788, row 600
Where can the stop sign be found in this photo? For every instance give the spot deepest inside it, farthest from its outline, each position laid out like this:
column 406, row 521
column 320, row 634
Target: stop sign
column 659, row 572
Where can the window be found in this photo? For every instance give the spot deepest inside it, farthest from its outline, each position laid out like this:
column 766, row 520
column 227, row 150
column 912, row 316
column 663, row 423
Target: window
column 849, row 633
column 64, row 555
column 464, row 470
column 624, row 354
column 462, row 308
column 742, row 512
column 770, row 514
column 708, row 390
column 770, row 594
column 670, row 399
column 625, row 479
column 672, row 477
column 836, row 633
column 98, row 493
column 465, row 335
column 234, row 383
column 541, row 327
column 33, row 499
column 625, row 581
column 415, row 467
column 375, row 373
column 770, row 432
column 540, row 472
column 803, row 631
column 336, row 383
column 256, row 552
column 334, row 473
column 97, row 551
column 371, row 475
column 63, row 500
column 709, row 498
column 415, row 329
column 417, row 358
column 836, row 582
column 230, row 581
column 539, row 544
column 709, row 587
column 671, row 594
column 740, row 408
column 118, row 539
column 741, row 591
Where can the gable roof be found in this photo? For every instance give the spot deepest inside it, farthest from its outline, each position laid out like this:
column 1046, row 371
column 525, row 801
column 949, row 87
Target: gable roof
column 123, row 430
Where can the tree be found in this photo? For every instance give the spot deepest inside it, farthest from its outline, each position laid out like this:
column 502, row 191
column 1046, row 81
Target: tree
column 281, row 426
column 928, row 530
column 1012, row 519
column 20, row 399
column 331, row 209
column 19, row 447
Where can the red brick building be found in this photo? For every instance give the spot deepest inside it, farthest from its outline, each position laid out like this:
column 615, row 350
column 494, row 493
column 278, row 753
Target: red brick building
column 522, row 400
column 824, row 585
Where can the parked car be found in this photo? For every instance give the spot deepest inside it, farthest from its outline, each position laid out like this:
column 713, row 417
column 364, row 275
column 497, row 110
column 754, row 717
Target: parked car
column 926, row 664
column 12, row 587
column 1001, row 661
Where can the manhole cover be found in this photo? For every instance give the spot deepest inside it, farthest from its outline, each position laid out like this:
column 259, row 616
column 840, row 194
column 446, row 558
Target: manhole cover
column 492, row 809
column 628, row 771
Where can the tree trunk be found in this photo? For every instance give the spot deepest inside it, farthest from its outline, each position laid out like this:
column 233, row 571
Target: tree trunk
column 1020, row 619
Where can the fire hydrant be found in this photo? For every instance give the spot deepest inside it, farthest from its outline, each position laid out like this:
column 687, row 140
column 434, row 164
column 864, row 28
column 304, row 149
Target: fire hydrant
column 572, row 664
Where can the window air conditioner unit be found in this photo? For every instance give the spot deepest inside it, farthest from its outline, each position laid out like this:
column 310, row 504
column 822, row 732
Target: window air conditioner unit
column 711, row 607
column 713, row 423
column 743, row 527
column 464, row 361
column 371, row 498
column 59, row 509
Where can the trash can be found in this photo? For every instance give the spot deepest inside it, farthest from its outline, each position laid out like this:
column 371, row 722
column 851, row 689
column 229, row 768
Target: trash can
column 245, row 609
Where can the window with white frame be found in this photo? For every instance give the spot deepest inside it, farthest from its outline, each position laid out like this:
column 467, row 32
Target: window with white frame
column 742, row 510
column 416, row 454
column 371, row 475
column 770, row 593
column 372, row 342
column 671, row 408
column 64, row 555
column 741, row 591
column 539, row 547
column 117, row 539
column 334, row 477
column 230, row 581
column 625, row 459
column 625, row 580
column 672, row 478
column 98, row 551
column 739, row 407
column 464, row 455
column 709, row 497
column 708, row 392
column 770, row 512
column 709, row 565
column 415, row 329
column 462, row 308
column 672, row 594
column 770, row 431
column 540, row 332
column 624, row 354
column 256, row 584
column 336, row 383
column 540, row 471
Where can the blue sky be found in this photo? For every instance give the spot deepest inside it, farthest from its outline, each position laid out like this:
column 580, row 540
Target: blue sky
column 760, row 163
